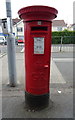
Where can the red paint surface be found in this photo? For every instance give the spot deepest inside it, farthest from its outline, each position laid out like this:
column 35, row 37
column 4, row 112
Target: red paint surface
column 20, row 41
column 37, row 75
column 37, row 13
column 37, row 66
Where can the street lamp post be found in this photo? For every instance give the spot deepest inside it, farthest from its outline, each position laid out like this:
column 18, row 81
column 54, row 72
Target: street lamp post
column 11, row 47
column 61, row 44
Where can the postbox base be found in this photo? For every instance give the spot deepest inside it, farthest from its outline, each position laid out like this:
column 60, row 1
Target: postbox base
column 36, row 102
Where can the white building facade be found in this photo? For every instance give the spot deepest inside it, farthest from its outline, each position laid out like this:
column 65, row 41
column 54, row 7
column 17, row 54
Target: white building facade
column 18, row 29
column 59, row 25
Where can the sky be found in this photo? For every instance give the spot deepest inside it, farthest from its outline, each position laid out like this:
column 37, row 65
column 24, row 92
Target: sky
column 64, row 7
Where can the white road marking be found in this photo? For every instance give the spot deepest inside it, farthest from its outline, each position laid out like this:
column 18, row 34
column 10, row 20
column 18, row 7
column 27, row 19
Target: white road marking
column 64, row 48
column 64, row 59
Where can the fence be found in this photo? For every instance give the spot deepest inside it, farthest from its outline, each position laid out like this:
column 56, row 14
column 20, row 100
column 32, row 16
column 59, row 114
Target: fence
column 60, row 43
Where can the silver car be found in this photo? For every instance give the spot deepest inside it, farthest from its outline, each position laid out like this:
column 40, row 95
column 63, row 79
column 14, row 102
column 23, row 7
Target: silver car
column 2, row 39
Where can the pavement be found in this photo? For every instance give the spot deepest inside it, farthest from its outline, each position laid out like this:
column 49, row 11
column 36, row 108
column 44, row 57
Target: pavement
column 13, row 99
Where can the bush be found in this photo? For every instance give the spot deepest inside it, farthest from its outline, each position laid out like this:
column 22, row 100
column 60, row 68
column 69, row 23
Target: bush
column 68, row 37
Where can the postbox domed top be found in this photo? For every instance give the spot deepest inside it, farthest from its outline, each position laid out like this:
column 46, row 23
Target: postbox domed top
column 37, row 13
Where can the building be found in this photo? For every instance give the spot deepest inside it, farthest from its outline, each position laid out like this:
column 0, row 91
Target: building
column 18, row 27
column 70, row 27
column 0, row 26
column 73, row 27
column 59, row 25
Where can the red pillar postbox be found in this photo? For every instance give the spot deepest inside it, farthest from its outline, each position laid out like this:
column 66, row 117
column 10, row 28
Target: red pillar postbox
column 37, row 31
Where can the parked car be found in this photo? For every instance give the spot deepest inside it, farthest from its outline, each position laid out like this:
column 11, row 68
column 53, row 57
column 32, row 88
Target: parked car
column 5, row 42
column 20, row 39
column 2, row 39
column 16, row 41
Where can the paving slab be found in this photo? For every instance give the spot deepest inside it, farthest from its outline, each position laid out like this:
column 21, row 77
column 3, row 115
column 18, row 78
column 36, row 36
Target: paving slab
column 14, row 107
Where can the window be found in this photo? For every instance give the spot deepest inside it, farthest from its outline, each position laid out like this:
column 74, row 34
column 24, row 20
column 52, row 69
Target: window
column 1, row 38
column 59, row 28
column 19, row 29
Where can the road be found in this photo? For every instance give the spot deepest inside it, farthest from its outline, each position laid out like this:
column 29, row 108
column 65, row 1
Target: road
column 64, row 62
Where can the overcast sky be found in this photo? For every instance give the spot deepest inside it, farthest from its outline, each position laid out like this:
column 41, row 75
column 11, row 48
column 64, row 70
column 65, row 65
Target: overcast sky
column 64, row 7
